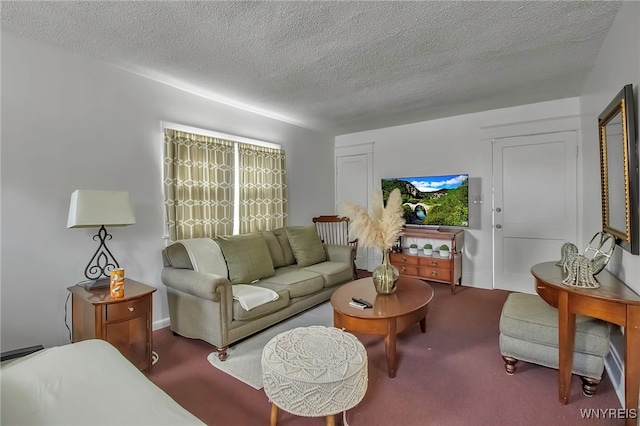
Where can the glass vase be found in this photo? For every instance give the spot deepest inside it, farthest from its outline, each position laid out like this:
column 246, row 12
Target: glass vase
column 385, row 276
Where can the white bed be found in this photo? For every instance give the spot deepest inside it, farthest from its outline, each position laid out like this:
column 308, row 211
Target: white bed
column 85, row 383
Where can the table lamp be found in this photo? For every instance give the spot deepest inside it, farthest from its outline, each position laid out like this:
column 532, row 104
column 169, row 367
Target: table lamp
column 90, row 209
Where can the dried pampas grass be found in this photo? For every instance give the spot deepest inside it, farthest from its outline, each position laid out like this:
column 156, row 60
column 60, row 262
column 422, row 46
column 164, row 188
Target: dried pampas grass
column 383, row 227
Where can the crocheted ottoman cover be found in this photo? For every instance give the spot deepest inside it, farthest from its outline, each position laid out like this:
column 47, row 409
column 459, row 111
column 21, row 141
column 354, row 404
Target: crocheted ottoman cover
column 314, row 371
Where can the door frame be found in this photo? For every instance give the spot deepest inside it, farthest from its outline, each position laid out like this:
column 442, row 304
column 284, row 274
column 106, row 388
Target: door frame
column 348, row 151
column 529, row 128
column 535, row 229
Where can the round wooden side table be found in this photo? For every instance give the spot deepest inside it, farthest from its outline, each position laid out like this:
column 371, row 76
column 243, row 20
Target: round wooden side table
column 390, row 315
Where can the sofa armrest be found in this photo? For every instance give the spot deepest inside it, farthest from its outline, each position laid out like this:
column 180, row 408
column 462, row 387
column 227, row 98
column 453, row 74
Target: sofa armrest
column 340, row 253
column 199, row 284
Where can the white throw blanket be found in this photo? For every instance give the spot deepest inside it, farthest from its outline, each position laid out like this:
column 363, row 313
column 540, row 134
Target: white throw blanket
column 202, row 251
column 250, row 296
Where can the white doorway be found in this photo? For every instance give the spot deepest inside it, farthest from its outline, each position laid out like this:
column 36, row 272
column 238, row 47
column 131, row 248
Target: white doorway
column 354, row 174
column 352, row 180
column 534, row 204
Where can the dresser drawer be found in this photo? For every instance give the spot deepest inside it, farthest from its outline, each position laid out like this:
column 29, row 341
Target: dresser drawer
column 435, row 262
column 436, row 274
column 403, row 259
column 126, row 310
column 547, row 293
column 407, row 269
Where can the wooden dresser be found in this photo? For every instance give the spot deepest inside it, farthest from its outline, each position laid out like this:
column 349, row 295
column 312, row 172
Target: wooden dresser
column 125, row 323
column 432, row 268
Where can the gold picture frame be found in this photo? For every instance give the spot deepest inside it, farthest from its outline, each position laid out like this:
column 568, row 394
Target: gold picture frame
column 619, row 170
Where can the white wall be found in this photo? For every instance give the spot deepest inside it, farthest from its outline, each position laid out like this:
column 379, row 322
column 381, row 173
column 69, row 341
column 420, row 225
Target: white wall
column 459, row 145
column 70, row 123
column 618, row 64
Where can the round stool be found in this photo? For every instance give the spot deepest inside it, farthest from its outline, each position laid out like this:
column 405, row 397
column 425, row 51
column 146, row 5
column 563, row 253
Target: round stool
column 314, row 372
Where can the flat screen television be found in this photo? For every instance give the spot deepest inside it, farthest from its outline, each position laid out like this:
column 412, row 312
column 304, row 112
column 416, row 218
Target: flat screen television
column 432, row 201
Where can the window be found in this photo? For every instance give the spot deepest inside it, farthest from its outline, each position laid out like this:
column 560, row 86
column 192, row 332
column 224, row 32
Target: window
column 218, row 184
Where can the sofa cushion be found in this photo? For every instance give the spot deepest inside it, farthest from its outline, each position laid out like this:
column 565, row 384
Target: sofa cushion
column 306, row 245
column 333, row 273
column 275, row 249
column 283, row 238
column 299, row 282
column 247, row 257
column 528, row 317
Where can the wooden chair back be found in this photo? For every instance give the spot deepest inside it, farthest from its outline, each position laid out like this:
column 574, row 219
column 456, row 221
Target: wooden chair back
column 335, row 230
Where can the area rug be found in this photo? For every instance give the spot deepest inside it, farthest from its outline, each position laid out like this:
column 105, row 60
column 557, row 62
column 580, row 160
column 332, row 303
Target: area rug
column 243, row 361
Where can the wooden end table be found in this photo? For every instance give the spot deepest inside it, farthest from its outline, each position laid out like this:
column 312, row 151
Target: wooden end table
column 614, row 302
column 390, row 315
column 125, row 323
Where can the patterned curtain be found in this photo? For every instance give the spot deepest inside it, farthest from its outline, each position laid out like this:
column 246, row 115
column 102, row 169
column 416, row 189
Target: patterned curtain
column 263, row 189
column 198, row 185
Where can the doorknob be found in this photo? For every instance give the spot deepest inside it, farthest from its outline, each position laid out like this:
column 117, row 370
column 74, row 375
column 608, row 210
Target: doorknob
column 498, row 209
column 498, row 226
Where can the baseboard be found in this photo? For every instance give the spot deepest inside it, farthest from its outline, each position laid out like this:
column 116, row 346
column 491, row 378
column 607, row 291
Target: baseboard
column 614, row 363
column 477, row 279
column 162, row 323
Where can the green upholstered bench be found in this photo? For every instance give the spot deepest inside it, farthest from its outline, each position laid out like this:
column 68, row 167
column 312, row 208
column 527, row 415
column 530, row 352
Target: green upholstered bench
column 529, row 332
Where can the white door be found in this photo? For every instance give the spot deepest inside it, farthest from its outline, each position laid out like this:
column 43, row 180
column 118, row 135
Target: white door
column 352, row 185
column 534, row 204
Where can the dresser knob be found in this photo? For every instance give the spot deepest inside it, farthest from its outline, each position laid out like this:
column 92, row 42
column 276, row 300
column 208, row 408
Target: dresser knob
column 434, row 273
column 130, row 308
column 404, row 259
column 404, row 269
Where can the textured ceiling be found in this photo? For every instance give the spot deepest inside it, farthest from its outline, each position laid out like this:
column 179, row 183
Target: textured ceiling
column 340, row 66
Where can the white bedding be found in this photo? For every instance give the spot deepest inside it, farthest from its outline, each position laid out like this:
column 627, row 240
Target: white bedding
column 85, row 383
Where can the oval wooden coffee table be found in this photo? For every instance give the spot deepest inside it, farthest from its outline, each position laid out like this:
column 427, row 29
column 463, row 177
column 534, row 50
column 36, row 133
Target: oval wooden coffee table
column 390, row 315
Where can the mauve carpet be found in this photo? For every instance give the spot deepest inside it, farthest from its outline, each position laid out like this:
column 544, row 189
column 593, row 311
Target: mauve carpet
column 451, row 375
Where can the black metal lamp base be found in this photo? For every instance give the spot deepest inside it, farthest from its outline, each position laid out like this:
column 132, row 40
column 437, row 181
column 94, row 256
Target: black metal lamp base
column 98, row 270
column 95, row 284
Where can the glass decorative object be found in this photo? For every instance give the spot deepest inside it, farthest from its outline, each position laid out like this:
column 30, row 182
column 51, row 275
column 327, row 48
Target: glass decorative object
column 568, row 252
column 581, row 269
column 385, row 275
column 580, row 273
column 600, row 250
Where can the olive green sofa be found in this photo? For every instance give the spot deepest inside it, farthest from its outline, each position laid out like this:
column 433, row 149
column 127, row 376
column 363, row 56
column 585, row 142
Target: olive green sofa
column 207, row 278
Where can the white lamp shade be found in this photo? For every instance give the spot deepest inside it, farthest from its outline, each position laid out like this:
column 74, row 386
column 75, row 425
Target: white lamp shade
column 96, row 208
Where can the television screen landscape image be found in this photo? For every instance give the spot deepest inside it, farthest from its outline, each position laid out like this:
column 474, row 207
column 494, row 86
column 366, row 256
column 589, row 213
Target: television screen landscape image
column 432, row 200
